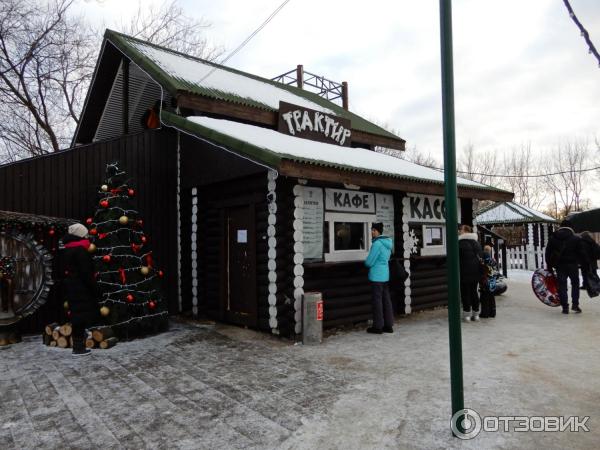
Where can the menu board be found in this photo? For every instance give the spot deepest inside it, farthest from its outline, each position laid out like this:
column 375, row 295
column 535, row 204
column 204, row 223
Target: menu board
column 384, row 213
column 313, row 222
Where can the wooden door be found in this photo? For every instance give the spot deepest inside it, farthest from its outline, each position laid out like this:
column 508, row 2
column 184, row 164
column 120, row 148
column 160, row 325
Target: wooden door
column 240, row 247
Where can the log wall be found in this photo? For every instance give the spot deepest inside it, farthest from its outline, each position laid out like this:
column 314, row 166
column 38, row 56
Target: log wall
column 65, row 184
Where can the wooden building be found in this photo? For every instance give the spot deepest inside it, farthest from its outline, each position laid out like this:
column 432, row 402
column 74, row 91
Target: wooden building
column 525, row 232
column 256, row 191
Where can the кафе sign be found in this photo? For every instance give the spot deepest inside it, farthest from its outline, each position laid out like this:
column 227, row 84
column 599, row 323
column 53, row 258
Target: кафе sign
column 314, row 125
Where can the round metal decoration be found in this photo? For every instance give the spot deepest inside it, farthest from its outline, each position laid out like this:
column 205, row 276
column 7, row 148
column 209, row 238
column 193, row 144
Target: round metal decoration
column 25, row 276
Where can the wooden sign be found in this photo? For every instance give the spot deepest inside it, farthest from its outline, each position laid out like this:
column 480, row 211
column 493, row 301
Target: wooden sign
column 314, row 125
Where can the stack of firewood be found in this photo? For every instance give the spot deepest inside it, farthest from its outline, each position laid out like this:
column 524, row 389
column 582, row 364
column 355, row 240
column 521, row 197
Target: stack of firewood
column 56, row 335
column 101, row 337
column 8, row 338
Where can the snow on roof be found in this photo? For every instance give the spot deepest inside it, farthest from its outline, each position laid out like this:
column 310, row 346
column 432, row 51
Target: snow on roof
column 510, row 212
column 297, row 149
column 193, row 71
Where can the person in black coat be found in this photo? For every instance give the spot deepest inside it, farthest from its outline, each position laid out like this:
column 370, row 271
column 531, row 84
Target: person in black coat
column 79, row 284
column 591, row 255
column 565, row 253
column 470, row 254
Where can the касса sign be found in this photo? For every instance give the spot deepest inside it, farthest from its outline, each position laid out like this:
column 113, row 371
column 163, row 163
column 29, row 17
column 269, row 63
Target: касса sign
column 428, row 209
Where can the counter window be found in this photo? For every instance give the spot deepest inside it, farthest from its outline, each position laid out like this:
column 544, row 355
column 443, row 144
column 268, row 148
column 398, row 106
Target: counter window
column 349, row 236
column 434, row 240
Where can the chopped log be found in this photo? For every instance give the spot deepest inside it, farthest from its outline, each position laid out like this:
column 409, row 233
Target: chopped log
column 66, row 329
column 90, row 343
column 102, row 334
column 50, row 328
column 108, row 343
column 62, row 342
column 52, row 343
column 56, row 333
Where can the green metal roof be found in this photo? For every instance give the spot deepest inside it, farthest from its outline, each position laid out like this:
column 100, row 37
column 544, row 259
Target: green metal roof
column 154, row 60
column 250, row 142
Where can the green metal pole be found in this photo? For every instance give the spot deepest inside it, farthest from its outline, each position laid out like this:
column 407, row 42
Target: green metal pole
column 454, row 308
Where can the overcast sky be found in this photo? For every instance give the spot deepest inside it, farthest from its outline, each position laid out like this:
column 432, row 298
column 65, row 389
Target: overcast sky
column 523, row 73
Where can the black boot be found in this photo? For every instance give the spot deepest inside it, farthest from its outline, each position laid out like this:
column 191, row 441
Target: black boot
column 79, row 347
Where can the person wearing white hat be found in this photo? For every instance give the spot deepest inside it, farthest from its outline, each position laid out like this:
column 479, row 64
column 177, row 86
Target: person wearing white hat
column 79, row 284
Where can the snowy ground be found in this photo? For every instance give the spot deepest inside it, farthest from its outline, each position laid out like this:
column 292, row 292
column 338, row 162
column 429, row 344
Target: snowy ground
column 213, row 386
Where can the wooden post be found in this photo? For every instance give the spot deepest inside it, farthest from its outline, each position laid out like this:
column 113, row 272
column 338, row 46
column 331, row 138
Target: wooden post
column 300, row 76
column 345, row 102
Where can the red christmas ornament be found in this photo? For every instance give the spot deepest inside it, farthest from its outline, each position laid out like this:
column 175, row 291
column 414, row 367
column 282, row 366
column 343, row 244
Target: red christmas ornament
column 151, row 304
column 129, row 298
column 161, row 273
column 149, row 261
column 89, row 221
column 122, row 276
column 102, row 235
column 130, row 192
column 93, row 232
column 115, row 190
column 106, row 258
column 104, row 203
column 144, row 239
column 51, row 232
column 135, row 248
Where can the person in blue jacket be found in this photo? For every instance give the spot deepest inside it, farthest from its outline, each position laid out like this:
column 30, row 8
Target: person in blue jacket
column 379, row 275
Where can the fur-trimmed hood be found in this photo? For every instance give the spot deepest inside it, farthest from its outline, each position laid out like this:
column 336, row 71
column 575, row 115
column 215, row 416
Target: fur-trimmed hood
column 472, row 236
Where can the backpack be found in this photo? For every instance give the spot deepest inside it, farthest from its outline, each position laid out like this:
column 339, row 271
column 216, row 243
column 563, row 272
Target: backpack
column 554, row 257
column 398, row 273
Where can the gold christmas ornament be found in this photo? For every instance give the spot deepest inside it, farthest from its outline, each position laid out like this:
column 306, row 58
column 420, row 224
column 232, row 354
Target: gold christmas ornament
column 104, row 188
column 123, row 220
column 92, row 248
column 104, row 311
column 145, row 270
column 66, row 305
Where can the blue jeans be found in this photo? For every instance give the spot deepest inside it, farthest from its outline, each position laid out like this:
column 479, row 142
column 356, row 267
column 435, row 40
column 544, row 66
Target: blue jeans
column 570, row 271
column 383, row 314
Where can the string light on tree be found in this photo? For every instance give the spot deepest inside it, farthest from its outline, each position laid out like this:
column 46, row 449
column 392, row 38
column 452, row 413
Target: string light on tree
column 127, row 279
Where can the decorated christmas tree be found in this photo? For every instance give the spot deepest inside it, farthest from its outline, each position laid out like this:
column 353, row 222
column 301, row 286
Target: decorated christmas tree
column 129, row 284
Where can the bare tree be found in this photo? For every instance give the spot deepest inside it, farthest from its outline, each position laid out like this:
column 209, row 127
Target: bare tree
column 520, row 166
column 566, row 163
column 168, row 26
column 45, row 64
column 47, row 58
column 478, row 166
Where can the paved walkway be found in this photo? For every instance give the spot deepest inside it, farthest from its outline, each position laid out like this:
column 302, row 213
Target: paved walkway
column 207, row 386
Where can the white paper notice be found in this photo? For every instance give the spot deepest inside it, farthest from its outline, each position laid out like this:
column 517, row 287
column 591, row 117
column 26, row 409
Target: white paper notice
column 384, row 213
column 312, row 222
column 242, row 236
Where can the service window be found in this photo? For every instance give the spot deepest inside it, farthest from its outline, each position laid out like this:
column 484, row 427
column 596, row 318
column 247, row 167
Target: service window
column 434, row 240
column 349, row 236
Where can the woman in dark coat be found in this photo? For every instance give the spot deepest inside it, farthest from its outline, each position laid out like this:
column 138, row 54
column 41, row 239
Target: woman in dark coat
column 470, row 254
column 79, row 284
